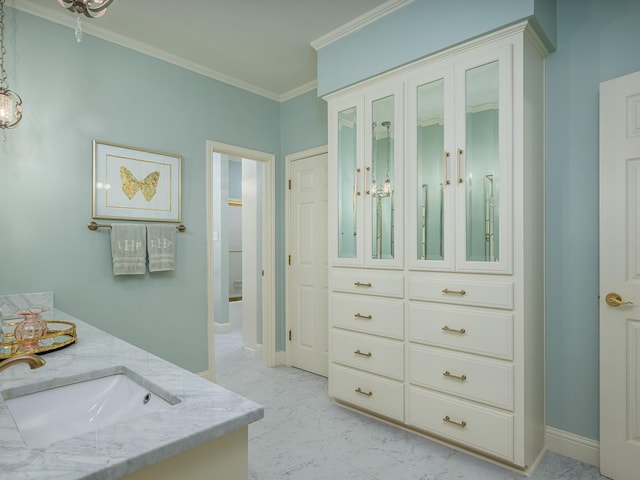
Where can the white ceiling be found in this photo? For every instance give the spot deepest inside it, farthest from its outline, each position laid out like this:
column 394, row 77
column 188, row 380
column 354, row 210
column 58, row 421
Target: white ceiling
column 263, row 46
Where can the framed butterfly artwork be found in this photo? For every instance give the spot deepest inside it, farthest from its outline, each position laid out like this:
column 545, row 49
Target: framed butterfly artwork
column 136, row 184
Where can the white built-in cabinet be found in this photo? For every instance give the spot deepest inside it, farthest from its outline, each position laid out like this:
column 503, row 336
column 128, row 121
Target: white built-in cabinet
column 436, row 198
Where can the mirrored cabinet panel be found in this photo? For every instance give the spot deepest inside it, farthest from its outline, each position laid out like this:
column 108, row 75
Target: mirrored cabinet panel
column 482, row 163
column 348, row 188
column 457, row 155
column 432, row 172
column 368, row 178
column 382, row 178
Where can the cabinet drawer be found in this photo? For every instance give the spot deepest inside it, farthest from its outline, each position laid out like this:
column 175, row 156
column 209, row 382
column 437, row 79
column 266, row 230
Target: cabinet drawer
column 368, row 391
column 368, row 314
column 366, row 352
column 472, row 330
column 370, row 282
column 462, row 292
column 484, row 429
column 469, row 376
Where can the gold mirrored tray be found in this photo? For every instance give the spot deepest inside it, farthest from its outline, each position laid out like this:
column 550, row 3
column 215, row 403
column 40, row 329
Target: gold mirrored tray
column 59, row 334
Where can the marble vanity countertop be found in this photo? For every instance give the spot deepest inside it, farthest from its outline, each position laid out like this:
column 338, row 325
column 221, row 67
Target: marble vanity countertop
column 206, row 411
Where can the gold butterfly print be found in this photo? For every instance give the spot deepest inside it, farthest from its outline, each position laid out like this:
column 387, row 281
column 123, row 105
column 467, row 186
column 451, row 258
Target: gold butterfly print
column 131, row 185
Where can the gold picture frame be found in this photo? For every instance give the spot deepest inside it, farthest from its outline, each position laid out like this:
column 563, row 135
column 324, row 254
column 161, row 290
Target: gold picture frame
column 131, row 183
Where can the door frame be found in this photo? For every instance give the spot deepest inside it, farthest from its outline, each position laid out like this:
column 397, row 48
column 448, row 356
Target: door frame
column 268, row 161
column 289, row 159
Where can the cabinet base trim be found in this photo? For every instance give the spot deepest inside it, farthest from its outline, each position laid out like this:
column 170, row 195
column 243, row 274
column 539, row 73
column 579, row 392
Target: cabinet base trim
column 527, row 470
column 573, row 446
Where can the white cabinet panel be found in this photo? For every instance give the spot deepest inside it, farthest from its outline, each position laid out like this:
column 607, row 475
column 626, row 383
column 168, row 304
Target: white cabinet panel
column 367, row 352
column 481, row 428
column 454, row 289
column 375, row 315
column 469, row 376
column 368, row 282
column 474, row 330
column 368, row 391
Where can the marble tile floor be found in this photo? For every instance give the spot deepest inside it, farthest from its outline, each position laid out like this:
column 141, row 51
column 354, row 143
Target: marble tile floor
column 304, row 436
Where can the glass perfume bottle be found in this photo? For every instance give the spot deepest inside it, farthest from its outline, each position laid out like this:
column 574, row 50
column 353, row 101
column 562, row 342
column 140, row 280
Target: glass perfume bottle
column 31, row 329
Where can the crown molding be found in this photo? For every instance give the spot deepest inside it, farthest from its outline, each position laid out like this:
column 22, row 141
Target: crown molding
column 307, row 87
column 359, row 22
column 64, row 18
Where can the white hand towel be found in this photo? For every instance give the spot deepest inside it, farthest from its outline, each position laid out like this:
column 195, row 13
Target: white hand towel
column 128, row 248
column 161, row 245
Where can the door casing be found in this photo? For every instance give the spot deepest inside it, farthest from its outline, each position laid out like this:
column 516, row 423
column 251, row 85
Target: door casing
column 268, row 247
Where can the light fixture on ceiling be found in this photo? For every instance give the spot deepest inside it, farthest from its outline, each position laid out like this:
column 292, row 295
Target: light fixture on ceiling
column 10, row 102
column 91, row 9
column 88, row 8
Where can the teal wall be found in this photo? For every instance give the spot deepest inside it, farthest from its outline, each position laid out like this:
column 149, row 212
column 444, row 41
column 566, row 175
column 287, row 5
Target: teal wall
column 304, row 123
column 595, row 41
column 421, row 28
column 73, row 93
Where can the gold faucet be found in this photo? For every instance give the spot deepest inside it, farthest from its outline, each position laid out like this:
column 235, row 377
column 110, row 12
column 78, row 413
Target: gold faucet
column 33, row 361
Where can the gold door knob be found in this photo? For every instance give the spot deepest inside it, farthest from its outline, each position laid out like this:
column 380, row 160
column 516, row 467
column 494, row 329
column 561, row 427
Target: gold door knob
column 615, row 300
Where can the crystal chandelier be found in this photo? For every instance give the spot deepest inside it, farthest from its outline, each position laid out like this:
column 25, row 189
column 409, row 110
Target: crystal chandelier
column 10, row 102
column 88, row 8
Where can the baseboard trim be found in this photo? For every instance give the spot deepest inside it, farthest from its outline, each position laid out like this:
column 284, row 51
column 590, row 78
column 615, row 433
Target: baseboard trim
column 222, row 327
column 280, row 358
column 573, row 446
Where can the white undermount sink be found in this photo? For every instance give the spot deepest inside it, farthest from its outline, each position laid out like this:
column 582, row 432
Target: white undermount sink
column 64, row 408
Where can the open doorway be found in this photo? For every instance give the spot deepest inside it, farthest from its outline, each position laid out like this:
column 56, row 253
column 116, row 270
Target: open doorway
column 240, row 250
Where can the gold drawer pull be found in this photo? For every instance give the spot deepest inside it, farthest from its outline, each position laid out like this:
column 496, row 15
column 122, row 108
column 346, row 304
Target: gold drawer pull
column 454, row 292
column 368, row 394
column 461, row 424
column 446, row 328
column 358, row 352
column 360, row 284
column 365, row 317
column 462, row 378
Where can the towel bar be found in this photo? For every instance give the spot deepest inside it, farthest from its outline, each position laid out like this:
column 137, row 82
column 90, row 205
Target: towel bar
column 94, row 226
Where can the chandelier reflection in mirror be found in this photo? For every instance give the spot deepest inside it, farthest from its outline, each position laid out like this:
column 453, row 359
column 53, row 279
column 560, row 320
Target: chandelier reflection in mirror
column 382, row 192
column 10, row 102
column 88, row 8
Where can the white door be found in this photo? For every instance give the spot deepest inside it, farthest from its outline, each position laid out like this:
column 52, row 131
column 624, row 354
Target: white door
column 308, row 264
column 620, row 277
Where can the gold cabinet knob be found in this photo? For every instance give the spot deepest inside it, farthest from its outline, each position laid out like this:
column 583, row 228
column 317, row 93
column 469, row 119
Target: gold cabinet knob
column 615, row 300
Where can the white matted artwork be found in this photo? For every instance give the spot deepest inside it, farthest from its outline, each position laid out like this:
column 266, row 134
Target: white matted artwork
column 136, row 184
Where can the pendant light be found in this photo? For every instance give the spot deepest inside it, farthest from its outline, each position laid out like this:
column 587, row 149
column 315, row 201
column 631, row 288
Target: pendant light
column 10, row 102
column 88, row 8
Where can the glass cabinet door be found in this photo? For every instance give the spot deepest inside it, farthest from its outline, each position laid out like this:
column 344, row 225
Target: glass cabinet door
column 431, row 172
column 349, row 191
column 431, row 180
column 383, row 181
column 482, row 163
